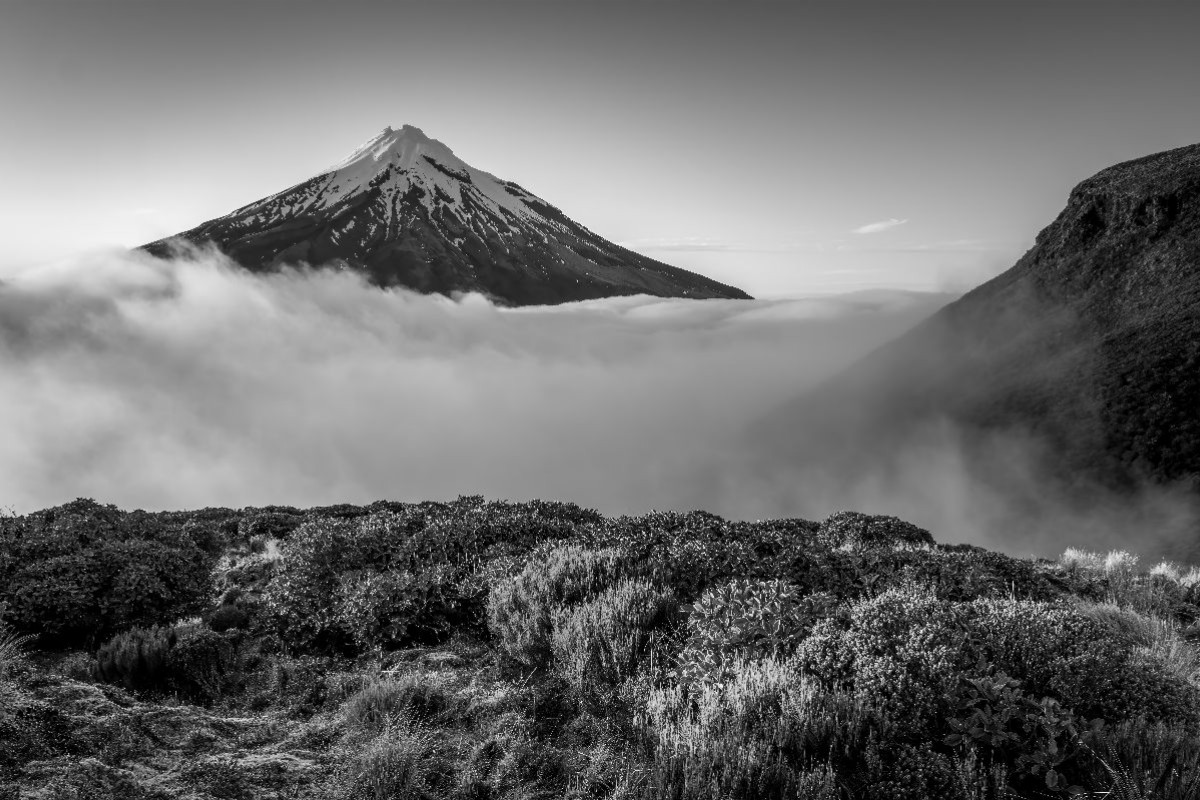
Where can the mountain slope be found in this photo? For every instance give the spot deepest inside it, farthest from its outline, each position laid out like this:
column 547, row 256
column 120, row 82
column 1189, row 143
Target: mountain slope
column 1088, row 348
column 406, row 211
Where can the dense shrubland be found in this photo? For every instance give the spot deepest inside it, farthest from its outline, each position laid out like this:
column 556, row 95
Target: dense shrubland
column 479, row 650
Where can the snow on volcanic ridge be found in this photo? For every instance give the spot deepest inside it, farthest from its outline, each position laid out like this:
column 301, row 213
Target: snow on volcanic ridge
column 406, row 211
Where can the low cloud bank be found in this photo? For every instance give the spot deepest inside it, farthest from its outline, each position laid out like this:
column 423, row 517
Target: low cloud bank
column 186, row 383
column 191, row 382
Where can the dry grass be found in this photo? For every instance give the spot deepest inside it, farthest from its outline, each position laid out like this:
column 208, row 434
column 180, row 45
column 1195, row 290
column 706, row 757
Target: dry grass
column 387, row 699
column 1155, row 637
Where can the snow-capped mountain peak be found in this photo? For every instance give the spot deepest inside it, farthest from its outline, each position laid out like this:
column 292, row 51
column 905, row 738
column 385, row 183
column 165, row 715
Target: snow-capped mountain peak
column 405, row 209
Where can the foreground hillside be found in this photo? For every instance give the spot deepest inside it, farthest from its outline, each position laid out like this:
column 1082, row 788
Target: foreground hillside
column 487, row 650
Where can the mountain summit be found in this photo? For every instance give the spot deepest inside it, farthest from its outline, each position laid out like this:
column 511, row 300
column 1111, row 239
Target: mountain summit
column 406, row 211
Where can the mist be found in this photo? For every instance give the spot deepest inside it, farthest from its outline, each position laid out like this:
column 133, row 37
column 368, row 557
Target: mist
column 172, row 384
column 192, row 382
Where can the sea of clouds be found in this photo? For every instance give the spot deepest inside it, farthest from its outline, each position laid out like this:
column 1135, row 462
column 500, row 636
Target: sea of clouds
column 191, row 382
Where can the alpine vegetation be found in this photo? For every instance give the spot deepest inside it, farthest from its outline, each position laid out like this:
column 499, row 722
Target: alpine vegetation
column 475, row 649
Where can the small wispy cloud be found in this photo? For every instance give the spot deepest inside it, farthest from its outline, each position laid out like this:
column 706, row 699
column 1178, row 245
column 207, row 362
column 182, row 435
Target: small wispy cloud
column 881, row 226
column 686, row 244
column 689, row 244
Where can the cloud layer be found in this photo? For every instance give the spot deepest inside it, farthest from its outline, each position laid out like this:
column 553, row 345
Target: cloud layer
column 174, row 384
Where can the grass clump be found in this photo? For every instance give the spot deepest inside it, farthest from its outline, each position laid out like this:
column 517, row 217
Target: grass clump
column 400, row 762
column 390, row 698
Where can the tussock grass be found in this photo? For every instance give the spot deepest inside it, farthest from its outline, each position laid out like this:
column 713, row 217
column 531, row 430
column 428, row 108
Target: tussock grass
column 389, row 698
column 12, row 651
column 1155, row 637
column 398, row 763
column 767, row 732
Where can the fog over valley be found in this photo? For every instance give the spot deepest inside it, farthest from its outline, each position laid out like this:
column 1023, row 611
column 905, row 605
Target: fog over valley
column 190, row 382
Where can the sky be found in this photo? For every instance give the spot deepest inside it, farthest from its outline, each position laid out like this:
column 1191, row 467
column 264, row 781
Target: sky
column 790, row 149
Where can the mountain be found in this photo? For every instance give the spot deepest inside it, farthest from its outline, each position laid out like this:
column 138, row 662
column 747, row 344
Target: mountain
column 405, row 211
column 1087, row 351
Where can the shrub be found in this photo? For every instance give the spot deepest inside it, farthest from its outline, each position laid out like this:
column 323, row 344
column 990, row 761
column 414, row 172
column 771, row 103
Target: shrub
column 961, row 573
column 195, row 663
column 78, row 665
column 854, row 531
column 262, row 524
column 389, row 609
column 201, row 665
column 691, row 552
column 1113, row 577
column 1156, row 638
column 76, row 574
column 520, row 608
column 393, row 550
column 601, row 642
column 747, row 619
column 229, row 616
column 1061, row 652
column 994, row 716
column 903, row 650
column 137, row 659
column 892, row 771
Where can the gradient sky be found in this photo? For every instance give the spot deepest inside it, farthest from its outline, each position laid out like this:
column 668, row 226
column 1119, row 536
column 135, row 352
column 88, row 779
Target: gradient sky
column 748, row 141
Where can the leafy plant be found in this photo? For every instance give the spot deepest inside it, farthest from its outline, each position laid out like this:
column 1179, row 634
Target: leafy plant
column 992, row 713
column 747, row 619
column 855, row 531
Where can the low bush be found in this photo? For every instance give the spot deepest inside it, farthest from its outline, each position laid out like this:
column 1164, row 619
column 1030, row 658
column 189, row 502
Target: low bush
column 229, row 616
column 264, row 524
column 75, row 574
column 692, row 552
column 854, row 531
column 192, row 662
column 137, row 659
column 521, row 608
column 747, row 619
column 202, row 665
column 424, row 557
column 601, row 642
column 397, row 607
column 1164, row 591
column 1059, row 651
